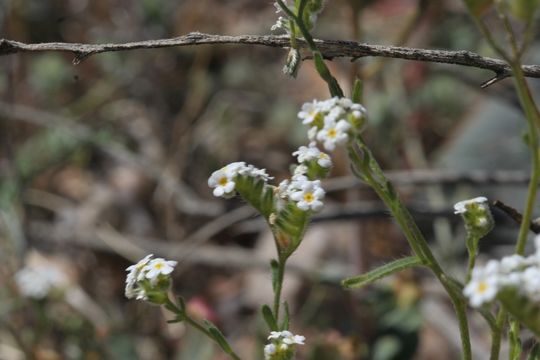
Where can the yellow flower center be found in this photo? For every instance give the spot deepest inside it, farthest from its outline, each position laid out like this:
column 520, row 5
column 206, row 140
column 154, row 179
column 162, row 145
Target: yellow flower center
column 482, row 287
column 308, row 197
column 332, row 133
column 223, row 181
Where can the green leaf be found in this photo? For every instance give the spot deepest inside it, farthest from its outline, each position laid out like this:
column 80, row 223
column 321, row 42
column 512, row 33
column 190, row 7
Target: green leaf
column 218, row 337
column 359, row 281
column 323, row 71
column 269, row 318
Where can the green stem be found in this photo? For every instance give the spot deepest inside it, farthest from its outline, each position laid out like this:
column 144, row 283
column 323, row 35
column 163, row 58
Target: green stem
column 472, row 249
column 279, row 286
column 496, row 334
column 172, row 307
column 533, row 121
column 412, row 233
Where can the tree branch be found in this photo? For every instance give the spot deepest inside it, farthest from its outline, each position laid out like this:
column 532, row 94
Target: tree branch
column 330, row 49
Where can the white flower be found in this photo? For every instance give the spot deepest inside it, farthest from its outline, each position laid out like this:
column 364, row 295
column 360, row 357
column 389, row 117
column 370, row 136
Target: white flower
column 531, row 283
column 511, row 263
column 333, row 133
column 252, row 171
column 39, row 280
column 482, row 288
column 311, row 152
column 222, row 180
column 158, row 267
column 462, row 206
column 294, row 339
column 309, row 112
column 309, row 196
column 144, row 275
column 282, row 344
column 269, row 350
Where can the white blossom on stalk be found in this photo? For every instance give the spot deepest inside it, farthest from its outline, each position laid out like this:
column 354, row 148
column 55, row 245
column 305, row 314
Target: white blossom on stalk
column 333, row 133
column 157, row 267
column 282, row 345
column 149, row 279
column 309, row 195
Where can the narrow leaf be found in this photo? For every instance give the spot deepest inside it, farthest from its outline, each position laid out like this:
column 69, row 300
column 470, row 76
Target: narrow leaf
column 218, row 337
column 268, row 316
column 381, row 272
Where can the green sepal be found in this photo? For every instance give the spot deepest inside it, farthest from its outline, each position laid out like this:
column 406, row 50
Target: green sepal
column 290, row 225
column 218, row 337
column 286, row 316
column 257, row 193
column 269, row 318
column 359, row 281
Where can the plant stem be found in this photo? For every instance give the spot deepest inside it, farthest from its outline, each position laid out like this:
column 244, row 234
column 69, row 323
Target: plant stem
column 279, row 285
column 533, row 121
column 171, row 306
column 496, row 334
column 413, row 235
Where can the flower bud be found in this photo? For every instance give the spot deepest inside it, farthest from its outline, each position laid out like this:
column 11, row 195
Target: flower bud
column 476, row 215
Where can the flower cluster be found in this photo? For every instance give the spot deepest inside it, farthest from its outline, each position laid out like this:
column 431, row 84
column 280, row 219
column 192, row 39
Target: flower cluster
column 38, row 281
column 282, row 345
column 223, row 180
column 514, row 272
column 332, row 121
column 149, row 279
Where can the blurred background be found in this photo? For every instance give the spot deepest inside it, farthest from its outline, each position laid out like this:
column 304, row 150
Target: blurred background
column 106, row 160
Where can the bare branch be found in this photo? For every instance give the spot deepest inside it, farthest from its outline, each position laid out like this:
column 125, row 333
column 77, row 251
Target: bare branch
column 330, row 49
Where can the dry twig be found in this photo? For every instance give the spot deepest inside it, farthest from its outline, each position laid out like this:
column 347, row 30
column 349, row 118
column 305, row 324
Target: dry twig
column 330, row 49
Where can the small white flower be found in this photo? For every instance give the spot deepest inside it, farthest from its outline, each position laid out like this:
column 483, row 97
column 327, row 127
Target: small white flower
column 269, row 350
column 252, row 171
column 461, row 207
column 282, row 344
column 158, row 267
column 482, row 288
column 309, row 112
column 511, row 263
column 531, row 282
column 309, row 196
column 222, row 180
column 333, row 133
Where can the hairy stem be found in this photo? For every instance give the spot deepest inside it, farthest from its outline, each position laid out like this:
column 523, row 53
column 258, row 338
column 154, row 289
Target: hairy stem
column 279, row 285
